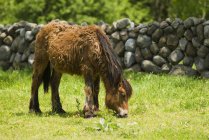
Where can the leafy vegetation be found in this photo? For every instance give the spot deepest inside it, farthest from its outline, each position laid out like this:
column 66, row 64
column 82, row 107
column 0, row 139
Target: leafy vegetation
column 91, row 11
column 162, row 107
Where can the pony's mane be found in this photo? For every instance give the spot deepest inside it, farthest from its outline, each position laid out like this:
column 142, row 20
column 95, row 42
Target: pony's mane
column 114, row 67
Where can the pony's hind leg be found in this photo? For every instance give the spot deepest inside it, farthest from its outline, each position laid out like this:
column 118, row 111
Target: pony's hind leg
column 88, row 109
column 55, row 81
column 96, row 92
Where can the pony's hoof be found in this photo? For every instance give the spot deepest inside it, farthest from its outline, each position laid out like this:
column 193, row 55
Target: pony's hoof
column 58, row 111
column 36, row 111
column 89, row 115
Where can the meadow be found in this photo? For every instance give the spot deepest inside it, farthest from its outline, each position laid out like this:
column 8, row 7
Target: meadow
column 162, row 107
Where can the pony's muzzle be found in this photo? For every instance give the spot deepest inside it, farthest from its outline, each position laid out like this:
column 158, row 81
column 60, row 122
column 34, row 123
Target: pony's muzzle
column 123, row 113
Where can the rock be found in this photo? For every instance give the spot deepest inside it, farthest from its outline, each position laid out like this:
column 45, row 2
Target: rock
column 196, row 42
column 119, row 48
column 152, row 28
column 182, row 44
column 130, row 45
column 122, row 23
column 132, row 34
column 157, row 35
column 162, row 41
column 154, row 48
column 12, row 57
column 116, row 35
column 143, row 31
column 5, row 53
column 168, row 30
column 188, row 23
column 199, row 63
column 17, row 58
column 143, row 41
column 135, row 68
column 22, row 32
column 206, row 64
column 32, row 46
column 164, row 52
column 29, row 36
column 183, row 70
column 4, row 65
column 149, row 66
column 146, row 53
column 176, row 23
column 203, row 51
column 188, row 61
column 15, row 43
column 158, row 60
column 129, row 59
column 180, row 31
column 166, row 68
column 188, row 34
column 206, row 31
column 172, row 40
column 31, row 59
column 124, row 35
column 36, row 30
column 176, row 56
column 22, row 45
column 138, row 55
column 109, row 30
column 206, row 42
column 194, row 31
column 190, row 50
column 3, row 35
column 8, row 40
column 200, row 32
column 196, row 21
column 205, row 74
column 163, row 24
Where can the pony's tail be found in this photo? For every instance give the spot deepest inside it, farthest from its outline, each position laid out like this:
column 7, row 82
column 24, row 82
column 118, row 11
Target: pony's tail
column 46, row 78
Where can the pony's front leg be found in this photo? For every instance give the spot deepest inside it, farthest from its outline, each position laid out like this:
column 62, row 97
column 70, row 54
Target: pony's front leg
column 89, row 108
column 96, row 92
column 55, row 82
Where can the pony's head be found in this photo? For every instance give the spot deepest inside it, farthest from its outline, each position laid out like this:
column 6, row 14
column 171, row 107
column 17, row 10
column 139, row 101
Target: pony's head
column 117, row 98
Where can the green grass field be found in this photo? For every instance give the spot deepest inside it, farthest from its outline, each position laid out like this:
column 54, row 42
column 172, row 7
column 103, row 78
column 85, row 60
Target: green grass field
column 162, row 107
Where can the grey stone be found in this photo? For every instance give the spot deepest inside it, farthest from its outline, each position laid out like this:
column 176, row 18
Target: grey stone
column 22, row 45
column 176, row 56
column 12, row 58
column 157, row 34
column 116, row 35
column 206, row 42
column 146, row 53
column 196, row 21
column 188, row 61
column 3, row 35
column 188, row 23
column 119, row 48
column 84, row 24
column 109, row 30
column 129, row 59
column 176, row 23
column 4, row 65
column 199, row 63
column 5, row 53
column 172, row 40
column 36, row 29
column 196, row 42
column 8, row 40
column 165, row 52
column 168, row 20
column 206, row 62
column 122, row 23
column 162, row 41
column 17, row 58
column 149, row 66
column 188, row 34
column 152, row 28
column 183, row 43
column 143, row 31
column 138, row 55
column 135, row 68
column 15, row 43
column 158, row 60
column 31, row 59
column 200, row 32
column 203, row 51
column 130, row 45
column 143, row 41
column 183, row 70
column 132, row 34
column 190, row 50
column 29, row 36
column 163, row 24
column 166, row 68
column 206, row 22
column 205, row 74
column 32, row 46
column 154, row 48
column 168, row 30
column 194, row 30
column 180, row 31
column 206, row 31
column 22, row 32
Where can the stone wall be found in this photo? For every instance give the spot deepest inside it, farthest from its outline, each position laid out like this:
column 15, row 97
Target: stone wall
column 171, row 46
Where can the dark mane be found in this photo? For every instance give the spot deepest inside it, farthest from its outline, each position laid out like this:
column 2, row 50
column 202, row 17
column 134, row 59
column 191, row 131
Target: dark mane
column 114, row 67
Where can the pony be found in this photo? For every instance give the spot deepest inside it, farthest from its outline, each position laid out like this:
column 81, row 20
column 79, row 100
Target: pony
column 81, row 50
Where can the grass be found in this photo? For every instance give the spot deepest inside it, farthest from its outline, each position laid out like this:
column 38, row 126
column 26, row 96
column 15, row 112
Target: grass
column 162, row 107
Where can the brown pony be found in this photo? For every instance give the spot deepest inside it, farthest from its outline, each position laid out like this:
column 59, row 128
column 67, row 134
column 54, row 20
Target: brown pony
column 81, row 50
